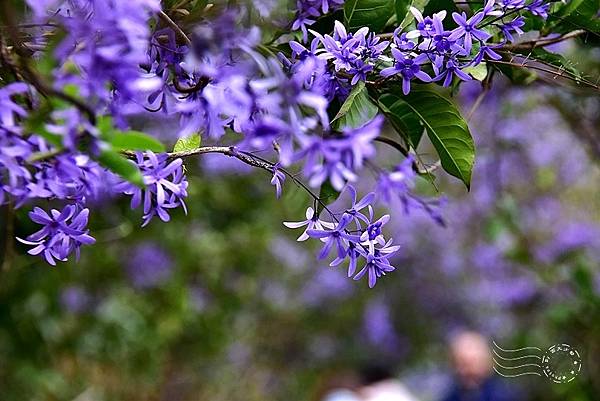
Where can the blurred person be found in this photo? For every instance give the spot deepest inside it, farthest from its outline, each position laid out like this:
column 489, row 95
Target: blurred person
column 473, row 367
column 381, row 385
column 339, row 386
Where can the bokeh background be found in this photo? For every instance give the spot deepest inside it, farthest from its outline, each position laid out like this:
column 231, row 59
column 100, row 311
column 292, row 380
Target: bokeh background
column 223, row 304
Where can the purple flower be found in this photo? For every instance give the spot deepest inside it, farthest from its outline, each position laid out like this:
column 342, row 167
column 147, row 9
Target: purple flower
column 352, row 254
column 9, row 110
column 486, row 51
column 467, row 30
column 63, row 232
column 336, row 237
column 353, row 53
column 165, row 186
column 356, row 207
column 449, row 71
column 149, row 266
column 402, row 41
column 511, row 4
column 108, row 41
column 512, row 26
column 377, row 264
column 427, row 26
column 307, row 11
column 378, row 326
column 372, row 235
column 539, row 8
column 14, row 175
column 408, row 68
column 70, row 124
column 278, row 179
column 312, row 222
column 398, row 182
column 338, row 157
column 75, row 299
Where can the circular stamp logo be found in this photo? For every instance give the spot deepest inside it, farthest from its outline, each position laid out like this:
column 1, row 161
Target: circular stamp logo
column 561, row 363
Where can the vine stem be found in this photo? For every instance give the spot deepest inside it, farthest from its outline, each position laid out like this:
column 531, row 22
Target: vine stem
column 167, row 20
column 245, row 157
column 230, row 151
column 541, row 42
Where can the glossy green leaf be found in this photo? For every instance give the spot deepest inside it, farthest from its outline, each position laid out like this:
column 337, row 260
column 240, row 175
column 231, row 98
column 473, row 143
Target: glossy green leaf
column 188, row 143
column 434, row 6
column 134, row 140
column 327, row 194
column 479, row 72
column 401, row 7
column 446, row 128
column 357, row 109
column 517, row 75
column 576, row 14
column 402, row 118
column 556, row 60
column 370, row 13
column 121, row 166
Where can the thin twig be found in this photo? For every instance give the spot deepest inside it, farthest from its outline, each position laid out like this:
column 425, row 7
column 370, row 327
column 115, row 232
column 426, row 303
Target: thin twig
column 167, row 20
column 541, row 42
column 226, row 150
column 557, row 73
column 420, row 169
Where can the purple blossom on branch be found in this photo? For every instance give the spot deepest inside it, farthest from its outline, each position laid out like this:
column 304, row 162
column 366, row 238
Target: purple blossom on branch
column 63, row 232
column 165, row 186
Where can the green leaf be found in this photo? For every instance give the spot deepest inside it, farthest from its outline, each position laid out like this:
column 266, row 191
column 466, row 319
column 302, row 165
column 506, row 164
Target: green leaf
column 36, row 124
column 479, row 72
column 401, row 8
column 370, row 13
column 433, row 6
column 556, row 60
column 188, row 143
column 327, row 194
column 517, row 75
column 402, row 118
column 446, row 129
column 134, row 140
column 576, row 14
column 357, row 109
column 121, row 166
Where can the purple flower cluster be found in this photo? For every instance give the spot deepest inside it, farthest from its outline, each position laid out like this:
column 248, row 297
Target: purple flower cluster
column 165, row 186
column 355, row 54
column 354, row 236
column 307, row 12
column 218, row 80
column 397, row 185
column 106, row 41
column 25, row 174
column 281, row 102
column 62, row 233
column 429, row 53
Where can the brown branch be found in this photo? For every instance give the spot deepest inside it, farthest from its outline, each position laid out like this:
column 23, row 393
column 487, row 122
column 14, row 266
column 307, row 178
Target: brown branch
column 532, row 44
column 201, row 84
column 30, row 75
column 230, row 151
column 556, row 73
column 393, row 144
column 167, row 20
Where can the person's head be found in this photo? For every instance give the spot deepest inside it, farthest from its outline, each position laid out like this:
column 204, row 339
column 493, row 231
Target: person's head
column 471, row 358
